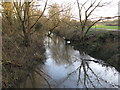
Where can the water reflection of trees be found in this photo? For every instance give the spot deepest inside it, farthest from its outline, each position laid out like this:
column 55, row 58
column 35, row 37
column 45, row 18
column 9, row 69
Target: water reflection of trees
column 61, row 53
column 37, row 79
column 85, row 78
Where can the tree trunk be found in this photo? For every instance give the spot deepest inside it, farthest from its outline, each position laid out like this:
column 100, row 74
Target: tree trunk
column 27, row 40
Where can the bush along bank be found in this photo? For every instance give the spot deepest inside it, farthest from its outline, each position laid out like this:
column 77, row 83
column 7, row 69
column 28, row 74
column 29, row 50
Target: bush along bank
column 18, row 60
column 103, row 46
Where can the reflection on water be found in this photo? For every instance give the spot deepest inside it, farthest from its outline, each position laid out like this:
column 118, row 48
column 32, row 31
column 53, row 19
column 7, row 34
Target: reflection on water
column 69, row 68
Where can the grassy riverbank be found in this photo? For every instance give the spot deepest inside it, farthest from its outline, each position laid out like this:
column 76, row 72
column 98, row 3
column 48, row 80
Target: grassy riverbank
column 105, row 27
column 18, row 60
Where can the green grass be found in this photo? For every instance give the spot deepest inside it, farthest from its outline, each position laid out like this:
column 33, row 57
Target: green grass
column 105, row 27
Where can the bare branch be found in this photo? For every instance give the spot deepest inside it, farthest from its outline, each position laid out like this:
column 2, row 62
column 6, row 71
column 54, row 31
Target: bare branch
column 87, row 15
column 43, row 78
column 18, row 12
column 90, row 6
column 22, row 22
column 40, row 15
column 102, row 18
column 94, row 8
column 91, row 26
column 79, row 11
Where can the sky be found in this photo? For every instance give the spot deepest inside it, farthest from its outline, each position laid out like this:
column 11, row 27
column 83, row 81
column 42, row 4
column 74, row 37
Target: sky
column 106, row 11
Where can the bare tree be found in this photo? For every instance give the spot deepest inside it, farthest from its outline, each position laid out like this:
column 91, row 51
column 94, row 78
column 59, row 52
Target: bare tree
column 85, row 12
column 23, row 14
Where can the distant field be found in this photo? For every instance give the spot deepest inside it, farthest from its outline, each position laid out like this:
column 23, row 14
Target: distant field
column 105, row 27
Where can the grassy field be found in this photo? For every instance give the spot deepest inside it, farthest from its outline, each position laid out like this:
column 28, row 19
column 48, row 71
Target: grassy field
column 105, row 27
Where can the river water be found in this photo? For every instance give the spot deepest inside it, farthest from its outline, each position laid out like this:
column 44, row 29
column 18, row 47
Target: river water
column 65, row 67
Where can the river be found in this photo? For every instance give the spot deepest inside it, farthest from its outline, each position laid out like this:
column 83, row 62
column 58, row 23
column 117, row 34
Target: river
column 66, row 67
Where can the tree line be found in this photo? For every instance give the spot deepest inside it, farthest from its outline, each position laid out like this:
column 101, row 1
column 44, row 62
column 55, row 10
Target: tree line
column 26, row 18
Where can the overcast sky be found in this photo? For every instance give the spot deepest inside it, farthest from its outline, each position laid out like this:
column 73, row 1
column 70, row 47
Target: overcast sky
column 109, row 10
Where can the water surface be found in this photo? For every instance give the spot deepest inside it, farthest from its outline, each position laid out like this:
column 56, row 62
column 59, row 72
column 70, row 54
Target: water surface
column 65, row 67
